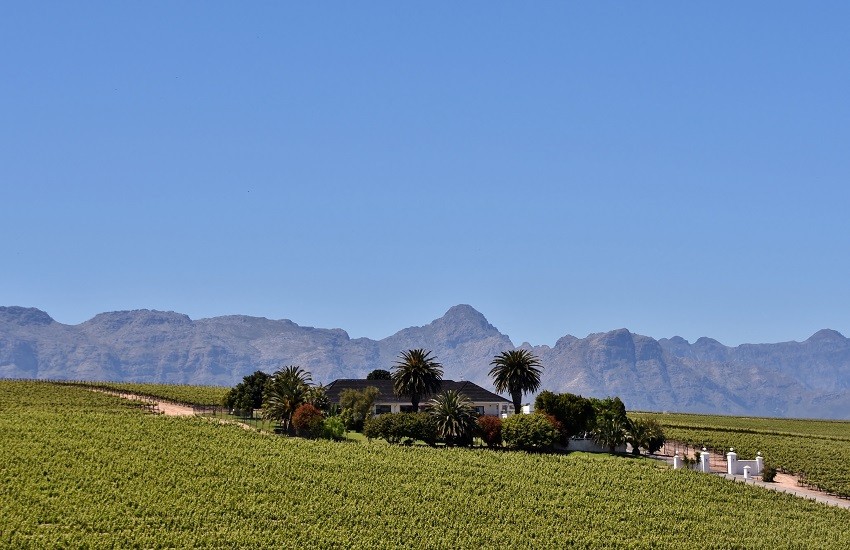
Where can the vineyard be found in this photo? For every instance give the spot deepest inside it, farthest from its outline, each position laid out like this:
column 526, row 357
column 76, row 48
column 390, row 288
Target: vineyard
column 84, row 469
column 827, row 429
column 178, row 393
column 818, row 451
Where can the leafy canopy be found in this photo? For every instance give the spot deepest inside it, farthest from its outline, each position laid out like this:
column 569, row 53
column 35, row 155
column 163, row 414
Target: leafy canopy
column 516, row 372
column 287, row 389
column 247, row 394
column 645, row 433
column 357, row 406
column 379, row 374
column 416, row 374
column 575, row 413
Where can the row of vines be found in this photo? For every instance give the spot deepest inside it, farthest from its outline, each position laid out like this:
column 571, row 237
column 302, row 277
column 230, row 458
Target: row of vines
column 83, row 469
column 826, row 429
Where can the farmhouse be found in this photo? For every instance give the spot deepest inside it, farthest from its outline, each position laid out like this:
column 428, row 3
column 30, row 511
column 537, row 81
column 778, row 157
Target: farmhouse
column 485, row 402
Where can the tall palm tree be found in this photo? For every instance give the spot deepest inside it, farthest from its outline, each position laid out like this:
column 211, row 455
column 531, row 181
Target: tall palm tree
column 284, row 392
column 416, row 374
column 455, row 417
column 516, row 372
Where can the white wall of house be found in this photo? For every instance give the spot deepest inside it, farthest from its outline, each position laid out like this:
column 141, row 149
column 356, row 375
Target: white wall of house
column 491, row 408
column 495, row 409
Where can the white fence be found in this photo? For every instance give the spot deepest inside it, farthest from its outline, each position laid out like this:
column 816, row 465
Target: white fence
column 590, row 446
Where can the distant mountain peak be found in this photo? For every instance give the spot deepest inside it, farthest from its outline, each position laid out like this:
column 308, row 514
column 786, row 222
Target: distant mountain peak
column 115, row 319
column 464, row 312
column 826, row 334
column 24, row 316
column 706, row 341
column 464, row 316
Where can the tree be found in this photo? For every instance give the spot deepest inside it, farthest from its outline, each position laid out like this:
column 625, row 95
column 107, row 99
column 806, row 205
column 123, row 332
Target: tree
column 247, row 395
column 516, row 372
column 610, row 406
column 357, row 406
column 645, row 433
column 454, row 415
column 611, row 425
column 575, row 413
column 318, row 397
column 416, row 374
column 379, row 374
column 285, row 391
column 610, row 432
column 308, row 421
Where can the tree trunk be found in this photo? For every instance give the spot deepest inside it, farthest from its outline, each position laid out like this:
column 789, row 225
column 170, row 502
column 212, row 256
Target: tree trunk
column 414, row 400
column 517, row 398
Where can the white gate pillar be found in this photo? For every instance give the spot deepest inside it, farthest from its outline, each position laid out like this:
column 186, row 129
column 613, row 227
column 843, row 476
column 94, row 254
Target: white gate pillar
column 677, row 462
column 732, row 462
column 759, row 464
column 705, row 467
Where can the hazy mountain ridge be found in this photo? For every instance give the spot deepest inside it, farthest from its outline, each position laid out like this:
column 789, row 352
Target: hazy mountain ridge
column 809, row 378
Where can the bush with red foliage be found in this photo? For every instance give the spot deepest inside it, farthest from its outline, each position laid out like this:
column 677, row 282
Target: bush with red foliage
column 308, row 421
column 564, row 438
column 490, row 430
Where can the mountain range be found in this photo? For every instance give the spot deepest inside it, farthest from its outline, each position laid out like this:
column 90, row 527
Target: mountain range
column 793, row 379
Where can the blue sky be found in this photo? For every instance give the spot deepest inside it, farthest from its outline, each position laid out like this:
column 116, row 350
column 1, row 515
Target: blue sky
column 562, row 167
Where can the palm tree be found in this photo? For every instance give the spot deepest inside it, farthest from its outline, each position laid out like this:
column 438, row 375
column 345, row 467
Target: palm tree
column 645, row 433
column 285, row 391
column 610, row 432
column 516, row 372
column 455, row 417
column 416, row 374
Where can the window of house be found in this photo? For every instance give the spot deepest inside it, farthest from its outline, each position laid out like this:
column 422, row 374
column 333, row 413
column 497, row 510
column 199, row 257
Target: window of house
column 383, row 409
column 479, row 410
column 406, row 408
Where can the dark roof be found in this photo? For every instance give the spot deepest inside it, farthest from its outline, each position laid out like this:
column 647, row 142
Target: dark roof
column 473, row 391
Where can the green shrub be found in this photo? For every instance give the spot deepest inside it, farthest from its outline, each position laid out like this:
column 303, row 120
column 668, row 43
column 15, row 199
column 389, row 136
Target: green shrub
column 398, row 427
column 529, row 432
column 333, row 428
column 768, row 473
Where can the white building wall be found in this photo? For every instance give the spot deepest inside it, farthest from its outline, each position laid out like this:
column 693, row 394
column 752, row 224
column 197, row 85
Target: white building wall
column 494, row 409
